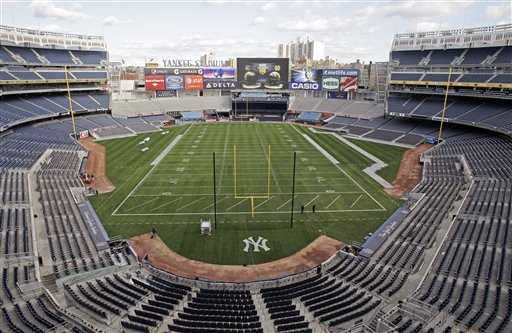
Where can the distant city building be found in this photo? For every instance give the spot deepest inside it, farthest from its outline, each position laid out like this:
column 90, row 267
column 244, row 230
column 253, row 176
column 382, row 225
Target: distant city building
column 301, row 52
column 207, row 58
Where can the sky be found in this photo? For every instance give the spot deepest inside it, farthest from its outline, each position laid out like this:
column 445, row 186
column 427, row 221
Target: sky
column 172, row 29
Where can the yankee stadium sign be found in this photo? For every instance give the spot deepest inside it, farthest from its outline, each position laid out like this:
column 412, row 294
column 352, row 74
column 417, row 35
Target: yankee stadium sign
column 190, row 63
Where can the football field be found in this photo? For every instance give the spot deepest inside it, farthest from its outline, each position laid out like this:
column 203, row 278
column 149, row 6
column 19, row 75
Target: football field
column 170, row 186
column 254, row 171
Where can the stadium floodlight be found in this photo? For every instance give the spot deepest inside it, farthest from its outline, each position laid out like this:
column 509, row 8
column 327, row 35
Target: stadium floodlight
column 252, row 196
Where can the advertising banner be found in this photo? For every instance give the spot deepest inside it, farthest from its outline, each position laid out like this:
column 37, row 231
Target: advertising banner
column 342, row 79
column 218, row 73
column 330, row 83
column 262, row 73
column 193, row 82
column 173, row 82
column 219, row 84
column 155, row 82
column 219, row 78
column 173, row 71
column 349, row 83
column 306, row 79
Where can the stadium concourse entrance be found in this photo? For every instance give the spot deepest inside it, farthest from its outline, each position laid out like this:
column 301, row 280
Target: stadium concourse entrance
column 262, row 105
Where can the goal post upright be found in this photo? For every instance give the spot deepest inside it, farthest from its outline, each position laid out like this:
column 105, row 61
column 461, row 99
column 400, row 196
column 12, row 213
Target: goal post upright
column 257, row 195
column 234, row 167
column 268, row 174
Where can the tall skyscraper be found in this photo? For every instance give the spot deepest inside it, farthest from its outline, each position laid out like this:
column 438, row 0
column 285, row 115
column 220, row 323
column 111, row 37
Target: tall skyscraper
column 301, row 51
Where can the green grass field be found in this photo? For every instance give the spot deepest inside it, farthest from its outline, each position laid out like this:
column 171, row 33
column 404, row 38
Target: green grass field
column 254, row 164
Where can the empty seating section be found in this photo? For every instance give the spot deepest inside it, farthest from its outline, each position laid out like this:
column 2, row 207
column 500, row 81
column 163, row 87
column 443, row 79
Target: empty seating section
column 218, row 310
column 309, row 117
column 406, row 76
column 404, row 131
column 442, row 57
column 406, row 58
column 471, row 280
column 341, row 107
column 480, row 78
column 22, row 74
column 476, row 56
column 40, row 56
column 15, row 233
column 70, row 242
column 467, row 57
column 14, row 110
column 137, row 125
column 132, row 108
column 487, row 113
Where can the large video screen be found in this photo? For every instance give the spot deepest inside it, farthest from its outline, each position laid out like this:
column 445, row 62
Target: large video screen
column 262, row 73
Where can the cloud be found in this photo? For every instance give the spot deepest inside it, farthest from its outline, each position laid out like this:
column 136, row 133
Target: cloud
column 48, row 27
column 258, row 20
column 47, row 9
column 318, row 24
column 268, row 6
column 430, row 26
column 191, row 46
column 113, row 20
column 419, row 9
column 497, row 12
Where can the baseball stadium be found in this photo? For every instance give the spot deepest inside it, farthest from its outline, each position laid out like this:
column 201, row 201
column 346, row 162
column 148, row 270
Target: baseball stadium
column 257, row 197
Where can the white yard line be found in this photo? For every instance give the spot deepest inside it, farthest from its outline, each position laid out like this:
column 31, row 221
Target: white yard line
column 357, row 200
column 238, row 203
column 249, row 213
column 312, row 200
column 263, row 202
column 332, row 202
column 285, row 203
column 169, row 202
column 190, row 203
column 232, row 195
column 143, row 204
column 211, row 205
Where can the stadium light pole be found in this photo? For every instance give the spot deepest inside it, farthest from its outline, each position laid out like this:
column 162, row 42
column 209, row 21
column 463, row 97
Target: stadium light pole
column 293, row 189
column 214, row 195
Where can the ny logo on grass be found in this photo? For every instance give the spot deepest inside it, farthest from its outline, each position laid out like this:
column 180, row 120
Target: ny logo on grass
column 260, row 243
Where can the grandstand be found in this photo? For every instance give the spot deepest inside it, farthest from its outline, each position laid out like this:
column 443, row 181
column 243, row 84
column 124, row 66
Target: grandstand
column 440, row 263
column 453, row 76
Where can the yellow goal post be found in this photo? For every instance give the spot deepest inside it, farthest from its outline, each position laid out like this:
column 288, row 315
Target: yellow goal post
column 253, row 195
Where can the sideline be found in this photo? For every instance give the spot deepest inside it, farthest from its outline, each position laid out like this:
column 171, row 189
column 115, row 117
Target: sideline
column 169, row 147
column 372, row 169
